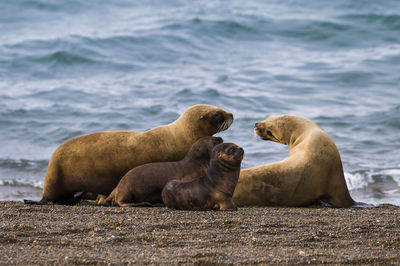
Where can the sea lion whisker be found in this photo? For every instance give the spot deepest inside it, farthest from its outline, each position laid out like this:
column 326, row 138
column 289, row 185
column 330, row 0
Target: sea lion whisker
column 221, row 127
column 224, row 126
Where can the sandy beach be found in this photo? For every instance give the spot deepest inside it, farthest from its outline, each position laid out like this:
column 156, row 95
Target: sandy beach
column 89, row 234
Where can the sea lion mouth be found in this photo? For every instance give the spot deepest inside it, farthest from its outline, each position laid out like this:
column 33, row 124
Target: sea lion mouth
column 259, row 132
column 239, row 154
column 271, row 136
column 265, row 134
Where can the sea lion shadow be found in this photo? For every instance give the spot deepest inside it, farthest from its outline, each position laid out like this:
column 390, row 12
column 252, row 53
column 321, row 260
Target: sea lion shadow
column 362, row 205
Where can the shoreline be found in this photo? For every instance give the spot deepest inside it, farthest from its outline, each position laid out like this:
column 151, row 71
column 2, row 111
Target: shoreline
column 90, row 234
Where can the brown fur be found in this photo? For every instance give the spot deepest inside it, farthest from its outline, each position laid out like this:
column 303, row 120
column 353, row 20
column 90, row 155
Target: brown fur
column 96, row 162
column 213, row 190
column 313, row 171
column 145, row 183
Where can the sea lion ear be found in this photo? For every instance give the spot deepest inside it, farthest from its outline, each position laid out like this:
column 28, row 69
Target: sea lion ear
column 203, row 117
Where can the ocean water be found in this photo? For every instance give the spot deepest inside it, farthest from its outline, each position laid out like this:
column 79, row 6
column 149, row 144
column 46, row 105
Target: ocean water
column 69, row 68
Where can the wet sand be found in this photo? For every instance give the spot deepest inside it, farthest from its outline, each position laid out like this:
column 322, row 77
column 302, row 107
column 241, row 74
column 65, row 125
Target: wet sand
column 89, row 234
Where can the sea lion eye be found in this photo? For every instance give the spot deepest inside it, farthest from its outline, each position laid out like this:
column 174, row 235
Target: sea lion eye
column 216, row 116
column 231, row 150
column 269, row 133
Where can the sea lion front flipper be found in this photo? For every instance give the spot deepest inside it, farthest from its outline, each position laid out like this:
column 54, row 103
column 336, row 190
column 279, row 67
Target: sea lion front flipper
column 227, row 205
column 132, row 204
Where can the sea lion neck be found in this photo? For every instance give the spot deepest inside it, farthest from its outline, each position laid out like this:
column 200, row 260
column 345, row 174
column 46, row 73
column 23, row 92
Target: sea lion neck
column 227, row 175
column 216, row 167
column 187, row 130
column 196, row 160
column 295, row 138
column 300, row 132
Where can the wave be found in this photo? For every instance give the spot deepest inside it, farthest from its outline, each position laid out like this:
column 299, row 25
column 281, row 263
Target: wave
column 23, row 164
column 22, row 183
column 375, row 186
column 20, row 189
column 386, row 21
column 85, row 55
column 212, row 30
column 363, row 179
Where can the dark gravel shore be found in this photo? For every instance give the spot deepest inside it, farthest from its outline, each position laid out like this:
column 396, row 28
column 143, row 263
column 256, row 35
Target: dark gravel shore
column 88, row 234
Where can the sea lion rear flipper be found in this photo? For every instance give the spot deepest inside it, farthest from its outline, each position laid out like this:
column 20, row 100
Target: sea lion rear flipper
column 34, row 202
column 75, row 199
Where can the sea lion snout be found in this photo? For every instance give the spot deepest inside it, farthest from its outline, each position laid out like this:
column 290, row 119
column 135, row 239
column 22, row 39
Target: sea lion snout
column 239, row 153
column 259, row 126
column 259, row 129
column 231, row 152
column 218, row 140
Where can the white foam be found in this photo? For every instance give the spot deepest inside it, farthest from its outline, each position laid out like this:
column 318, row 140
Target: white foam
column 358, row 180
column 21, row 183
column 393, row 173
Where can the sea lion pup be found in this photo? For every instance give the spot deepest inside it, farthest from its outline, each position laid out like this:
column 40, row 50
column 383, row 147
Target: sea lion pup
column 144, row 183
column 312, row 172
column 213, row 190
column 96, row 162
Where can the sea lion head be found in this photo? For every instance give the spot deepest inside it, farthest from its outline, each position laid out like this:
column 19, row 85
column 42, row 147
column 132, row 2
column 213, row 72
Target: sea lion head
column 202, row 148
column 228, row 154
column 282, row 128
column 205, row 120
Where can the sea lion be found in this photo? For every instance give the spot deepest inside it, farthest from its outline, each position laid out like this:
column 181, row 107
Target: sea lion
column 213, row 190
column 143, row 184
column 312, row 172
column 96, row 162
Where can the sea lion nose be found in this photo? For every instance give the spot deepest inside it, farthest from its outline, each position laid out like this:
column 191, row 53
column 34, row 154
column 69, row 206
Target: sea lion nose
column 218, row 140
column 256, row 125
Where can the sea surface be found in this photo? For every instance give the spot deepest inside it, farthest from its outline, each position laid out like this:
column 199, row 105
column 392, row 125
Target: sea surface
column 69, row 68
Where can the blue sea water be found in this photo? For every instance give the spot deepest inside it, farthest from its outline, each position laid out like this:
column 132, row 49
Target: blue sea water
column 69, row 68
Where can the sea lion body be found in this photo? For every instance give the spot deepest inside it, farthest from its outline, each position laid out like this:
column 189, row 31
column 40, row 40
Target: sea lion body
column 213, row 190
column 313, row 171
column 96, row 162
column 145, row 182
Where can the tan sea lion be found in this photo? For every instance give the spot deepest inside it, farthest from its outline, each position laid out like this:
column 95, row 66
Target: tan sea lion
column 96, row 162
column 313, row 171
column 213, row 190
column 143, row 184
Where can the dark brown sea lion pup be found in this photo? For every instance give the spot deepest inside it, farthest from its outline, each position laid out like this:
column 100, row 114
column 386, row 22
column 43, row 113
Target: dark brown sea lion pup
column 312, row 172
column 143, row 184
column 96, row 162
column 214, row 190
